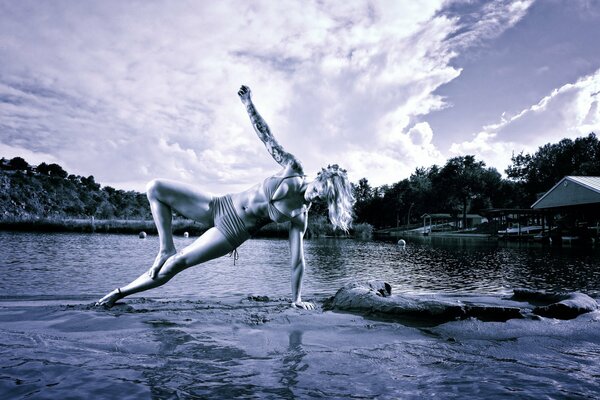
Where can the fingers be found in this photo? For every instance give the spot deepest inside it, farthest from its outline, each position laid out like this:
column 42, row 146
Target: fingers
column 152, row 273
column 244, row 91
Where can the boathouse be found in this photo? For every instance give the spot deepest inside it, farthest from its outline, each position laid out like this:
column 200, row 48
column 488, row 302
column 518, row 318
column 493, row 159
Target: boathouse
column 449, row 222
column 519, row 223
column 573, row 205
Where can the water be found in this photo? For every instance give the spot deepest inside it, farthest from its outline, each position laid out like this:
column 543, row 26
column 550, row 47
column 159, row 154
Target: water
column 37, row 264
column 200, row 336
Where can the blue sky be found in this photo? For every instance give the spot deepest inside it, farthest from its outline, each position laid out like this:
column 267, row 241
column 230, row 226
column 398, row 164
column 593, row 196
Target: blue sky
column 132, row 90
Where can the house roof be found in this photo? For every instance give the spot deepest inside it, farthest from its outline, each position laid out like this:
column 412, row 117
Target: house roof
column 571, row 191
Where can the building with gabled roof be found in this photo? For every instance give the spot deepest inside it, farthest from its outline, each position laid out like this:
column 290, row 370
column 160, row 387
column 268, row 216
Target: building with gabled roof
column 571, row 191
column 573, row 206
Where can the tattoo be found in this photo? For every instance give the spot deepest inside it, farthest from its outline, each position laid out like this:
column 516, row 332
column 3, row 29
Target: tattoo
column 273, row 147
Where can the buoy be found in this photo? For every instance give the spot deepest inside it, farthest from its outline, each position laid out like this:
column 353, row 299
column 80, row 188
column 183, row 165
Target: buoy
column 186, row 234
column 402, row 242
column 142, row 235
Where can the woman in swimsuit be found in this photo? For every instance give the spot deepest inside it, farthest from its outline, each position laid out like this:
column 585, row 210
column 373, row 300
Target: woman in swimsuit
column 233, row 218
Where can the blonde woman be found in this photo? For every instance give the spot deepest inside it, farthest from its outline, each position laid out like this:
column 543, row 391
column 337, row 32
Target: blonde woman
column 233, row 218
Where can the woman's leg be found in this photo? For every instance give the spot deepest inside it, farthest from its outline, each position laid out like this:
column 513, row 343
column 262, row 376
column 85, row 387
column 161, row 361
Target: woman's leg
column 210, row 245
column 164, row 197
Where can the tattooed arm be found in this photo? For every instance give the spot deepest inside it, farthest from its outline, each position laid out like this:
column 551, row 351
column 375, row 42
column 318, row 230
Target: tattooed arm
column 264, row 133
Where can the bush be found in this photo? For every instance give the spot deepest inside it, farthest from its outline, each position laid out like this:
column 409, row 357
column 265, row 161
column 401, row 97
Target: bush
column 362, row 231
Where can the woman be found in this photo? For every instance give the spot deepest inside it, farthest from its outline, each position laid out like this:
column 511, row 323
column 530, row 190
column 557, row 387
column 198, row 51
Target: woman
column 285, row 196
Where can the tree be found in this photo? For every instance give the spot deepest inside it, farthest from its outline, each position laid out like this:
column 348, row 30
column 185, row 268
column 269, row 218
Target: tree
column 519, row 169
column 464, row 180
column 537, row 173
column 18, row 164
column 421, row 192
column 90, row 183
column 51, row 191
column 57, row 171
column 43, row 169
column 363, row 194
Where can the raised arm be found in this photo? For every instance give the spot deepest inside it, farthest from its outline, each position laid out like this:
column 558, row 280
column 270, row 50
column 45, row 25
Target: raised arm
column 264, row 133
column 297, row 229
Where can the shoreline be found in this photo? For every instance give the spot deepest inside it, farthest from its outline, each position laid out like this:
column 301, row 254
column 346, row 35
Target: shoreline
column 132, row 226
column 88, row 225
column 398, row 234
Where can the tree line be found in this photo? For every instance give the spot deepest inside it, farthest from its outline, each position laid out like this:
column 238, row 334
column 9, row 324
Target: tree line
column 466, row 185
column 463, row 185
column 48, row 191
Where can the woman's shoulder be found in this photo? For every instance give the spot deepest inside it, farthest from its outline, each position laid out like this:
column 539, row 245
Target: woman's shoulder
column 289, row 176
column 291, row 169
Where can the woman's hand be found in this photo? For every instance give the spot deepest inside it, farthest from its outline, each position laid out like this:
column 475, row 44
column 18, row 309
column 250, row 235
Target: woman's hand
column 303, row 304
column 153, row 272
column 245, row 94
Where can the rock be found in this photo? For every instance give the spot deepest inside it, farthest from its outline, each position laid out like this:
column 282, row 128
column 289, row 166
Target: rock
column 374, row 297
column 492, row 313
column 557, row 305
column 537, row 297
column 259, row 298
column 572, row 306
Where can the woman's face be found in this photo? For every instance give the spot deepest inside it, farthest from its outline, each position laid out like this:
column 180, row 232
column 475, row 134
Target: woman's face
column 314, row 190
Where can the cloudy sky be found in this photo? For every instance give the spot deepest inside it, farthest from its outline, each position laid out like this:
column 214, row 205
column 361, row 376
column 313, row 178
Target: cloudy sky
column 131, row 90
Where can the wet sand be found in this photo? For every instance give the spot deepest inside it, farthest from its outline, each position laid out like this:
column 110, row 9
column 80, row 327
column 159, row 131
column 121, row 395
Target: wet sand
column 54, row 347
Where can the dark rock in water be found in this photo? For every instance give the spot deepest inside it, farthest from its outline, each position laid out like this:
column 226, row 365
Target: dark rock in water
column 259, row 298
column 537, row 297
column 380, row 288
column 557, row 305
column 374, row 297
column 572, row 306
column 492, row 313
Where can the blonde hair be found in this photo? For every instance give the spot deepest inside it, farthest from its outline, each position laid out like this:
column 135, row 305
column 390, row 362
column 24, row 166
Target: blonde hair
column 337, row 191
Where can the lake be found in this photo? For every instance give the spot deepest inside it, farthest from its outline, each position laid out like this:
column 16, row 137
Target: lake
column 202, row 335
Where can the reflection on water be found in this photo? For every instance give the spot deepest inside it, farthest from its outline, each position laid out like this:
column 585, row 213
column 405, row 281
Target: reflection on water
column 292, row 361
column 80, row 264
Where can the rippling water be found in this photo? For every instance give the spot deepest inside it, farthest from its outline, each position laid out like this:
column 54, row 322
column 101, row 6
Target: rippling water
column 200, row 336
column 75, row 264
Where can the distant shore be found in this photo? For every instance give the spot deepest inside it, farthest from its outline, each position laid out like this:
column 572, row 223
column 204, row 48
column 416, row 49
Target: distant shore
column 129, row 226
column 90, row 225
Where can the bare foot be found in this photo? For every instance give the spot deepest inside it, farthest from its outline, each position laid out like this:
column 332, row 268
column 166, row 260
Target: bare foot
column 303, row 304
column 160, row 259
column 110, row 299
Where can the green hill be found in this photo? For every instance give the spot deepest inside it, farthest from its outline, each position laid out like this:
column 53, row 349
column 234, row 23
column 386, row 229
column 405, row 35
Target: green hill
column 48, row 191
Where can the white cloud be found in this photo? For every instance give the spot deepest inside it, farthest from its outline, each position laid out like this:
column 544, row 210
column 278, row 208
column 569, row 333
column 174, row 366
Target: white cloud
column 129, row 91
column 489, row 22
column 570, row 111
column 396, row 159
column 32, row 157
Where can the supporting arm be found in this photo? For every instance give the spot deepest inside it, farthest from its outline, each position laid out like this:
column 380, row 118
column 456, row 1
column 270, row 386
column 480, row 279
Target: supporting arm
column 297, row 229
